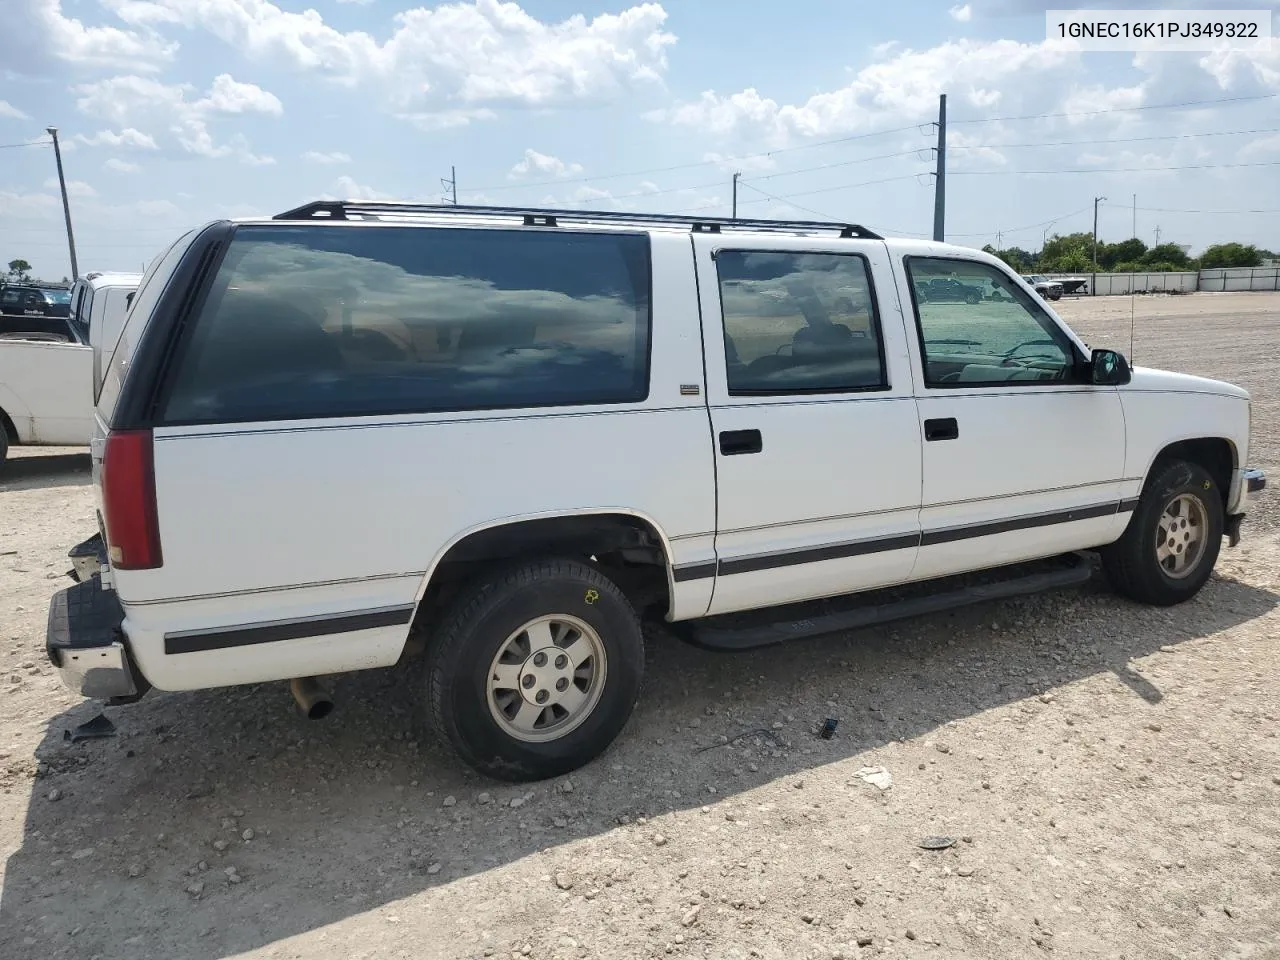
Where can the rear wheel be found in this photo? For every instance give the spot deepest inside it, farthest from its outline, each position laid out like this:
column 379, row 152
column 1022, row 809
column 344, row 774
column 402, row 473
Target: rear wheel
column 535, row 671
column 4, row 441
column 1172, row 541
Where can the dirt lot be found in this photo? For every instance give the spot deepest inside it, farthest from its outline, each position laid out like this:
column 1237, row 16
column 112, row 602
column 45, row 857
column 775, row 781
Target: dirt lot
column 1111, row 775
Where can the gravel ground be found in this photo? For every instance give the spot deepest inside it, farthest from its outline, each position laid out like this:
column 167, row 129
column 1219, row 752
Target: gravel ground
column 1109, row 773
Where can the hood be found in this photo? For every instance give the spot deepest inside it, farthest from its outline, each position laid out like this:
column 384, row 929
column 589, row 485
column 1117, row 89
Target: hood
column 1145, row 378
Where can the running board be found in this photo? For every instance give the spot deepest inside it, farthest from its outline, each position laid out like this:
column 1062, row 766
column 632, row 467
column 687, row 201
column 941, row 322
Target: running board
column 747, row 631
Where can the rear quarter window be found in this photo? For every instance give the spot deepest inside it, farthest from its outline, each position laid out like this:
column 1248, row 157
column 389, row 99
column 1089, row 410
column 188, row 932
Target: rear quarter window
column 332, row 321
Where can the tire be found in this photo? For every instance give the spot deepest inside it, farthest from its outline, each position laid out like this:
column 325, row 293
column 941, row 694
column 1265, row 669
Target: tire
column 973, row 298
column 1132, row 563
column 488, row 619
column 4, row 440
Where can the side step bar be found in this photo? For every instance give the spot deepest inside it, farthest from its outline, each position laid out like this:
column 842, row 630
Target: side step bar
column 747, row 631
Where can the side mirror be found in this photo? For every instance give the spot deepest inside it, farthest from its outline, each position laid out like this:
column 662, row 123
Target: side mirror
column 1108, row 368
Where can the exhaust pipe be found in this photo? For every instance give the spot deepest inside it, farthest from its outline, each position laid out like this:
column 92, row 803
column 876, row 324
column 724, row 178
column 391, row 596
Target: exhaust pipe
column 312, row 700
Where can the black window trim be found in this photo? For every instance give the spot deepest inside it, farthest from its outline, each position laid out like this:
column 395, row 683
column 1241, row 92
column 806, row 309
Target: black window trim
column 162, row 386
column 1073, row 351
column 885, row 385
column 186, row 285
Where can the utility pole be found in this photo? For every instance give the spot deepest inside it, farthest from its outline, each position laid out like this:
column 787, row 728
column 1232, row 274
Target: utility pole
column 999, row 239
column 451, row 185
column 735, row 194
column 1093, row 287
column 1135, row 215
column 1157, row 234
column 66, row 206
column 940, row 176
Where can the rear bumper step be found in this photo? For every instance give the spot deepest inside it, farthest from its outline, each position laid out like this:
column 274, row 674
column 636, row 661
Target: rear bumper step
column 746, row 631
column 85, row 642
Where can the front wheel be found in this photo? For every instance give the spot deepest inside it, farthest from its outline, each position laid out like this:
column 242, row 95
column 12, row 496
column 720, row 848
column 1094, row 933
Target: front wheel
column 1173, row 538
column 535, row 671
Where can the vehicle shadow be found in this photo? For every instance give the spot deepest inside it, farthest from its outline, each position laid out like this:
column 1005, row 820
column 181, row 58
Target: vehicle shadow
column 33, row 472
column 300, row 824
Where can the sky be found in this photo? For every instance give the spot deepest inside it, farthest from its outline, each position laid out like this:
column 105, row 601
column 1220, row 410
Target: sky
column 172, row 113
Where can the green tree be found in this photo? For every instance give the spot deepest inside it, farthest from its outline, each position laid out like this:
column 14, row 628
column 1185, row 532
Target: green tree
column 1230, row 255
column 1017, row 259
column 1165, row 254
column 20, row 270
column 1112, row 254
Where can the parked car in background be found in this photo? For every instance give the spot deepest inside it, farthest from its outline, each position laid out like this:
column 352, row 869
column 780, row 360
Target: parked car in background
column 49, row 378
column 1048, row 289
column 949, row 289
column 28, row 308
column 497, row 438
column 99, row 303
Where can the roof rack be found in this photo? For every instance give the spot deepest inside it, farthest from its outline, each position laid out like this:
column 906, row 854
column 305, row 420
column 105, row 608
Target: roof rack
column 535, row 217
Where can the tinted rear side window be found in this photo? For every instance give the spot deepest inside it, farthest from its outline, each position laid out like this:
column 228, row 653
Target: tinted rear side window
column 330, row 321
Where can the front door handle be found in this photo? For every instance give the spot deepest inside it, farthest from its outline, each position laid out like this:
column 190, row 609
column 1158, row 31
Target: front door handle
column 734, row 442
column 944, row 428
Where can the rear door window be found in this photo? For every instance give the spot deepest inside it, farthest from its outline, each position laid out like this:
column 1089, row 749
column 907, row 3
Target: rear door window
column 797, row 323
column 333, row 321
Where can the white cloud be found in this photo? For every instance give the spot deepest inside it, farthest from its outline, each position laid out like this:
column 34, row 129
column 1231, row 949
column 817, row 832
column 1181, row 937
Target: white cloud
column 231, row 96
column 963, row 14
column 903, row 87
column 587, row 194
column 752, row 163
column 99, row 46
column 1245, row 71
column 359, row 3
column 75, row 188
column 124, row 98
column 1263, row 147
column 346, row 188
column 9, row 110
column 446, row 119
column 483, row 52
column 544, row 164
column 128, row 137
column 26, row 204
column 121, row 166
column 315, row 156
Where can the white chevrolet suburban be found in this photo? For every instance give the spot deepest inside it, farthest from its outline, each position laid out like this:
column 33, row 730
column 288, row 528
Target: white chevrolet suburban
column 497, row 438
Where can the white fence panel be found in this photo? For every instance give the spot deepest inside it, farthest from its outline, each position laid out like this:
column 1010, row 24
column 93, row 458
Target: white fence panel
column 1240, row 278
column 1115, row 284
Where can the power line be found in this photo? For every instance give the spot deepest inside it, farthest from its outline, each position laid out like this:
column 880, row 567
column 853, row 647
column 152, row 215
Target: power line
column 841, row 163
column 1027, row 173
column 842, row 186
column 1029, row 226
column 702, row 163
column 1223, row 213
column 1151, row 106
column 770, row 196
column 1072, row 143
column 29, row 143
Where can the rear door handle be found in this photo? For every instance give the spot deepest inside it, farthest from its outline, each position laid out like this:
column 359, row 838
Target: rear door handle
column 944, row 428
column 734, row 442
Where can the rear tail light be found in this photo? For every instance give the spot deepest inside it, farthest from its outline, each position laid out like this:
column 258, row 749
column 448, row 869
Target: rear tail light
column 129, row 501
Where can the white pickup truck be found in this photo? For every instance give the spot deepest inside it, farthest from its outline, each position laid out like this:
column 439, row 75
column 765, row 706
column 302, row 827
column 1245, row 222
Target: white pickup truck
column 498, row 438
column 48, row 382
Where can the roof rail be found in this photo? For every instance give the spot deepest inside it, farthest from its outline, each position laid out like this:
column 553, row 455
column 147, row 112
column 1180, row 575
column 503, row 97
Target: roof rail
column 535, row 217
